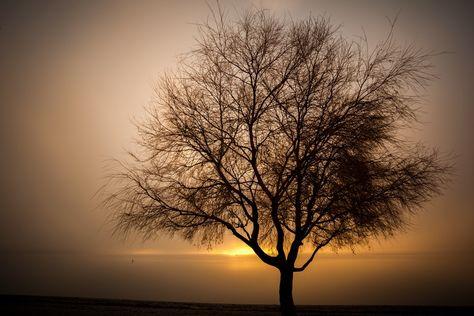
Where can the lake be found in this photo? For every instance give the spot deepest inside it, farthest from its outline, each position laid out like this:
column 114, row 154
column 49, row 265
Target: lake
column 392, row 279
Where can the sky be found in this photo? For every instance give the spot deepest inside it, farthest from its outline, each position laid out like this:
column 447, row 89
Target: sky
column 75, row 74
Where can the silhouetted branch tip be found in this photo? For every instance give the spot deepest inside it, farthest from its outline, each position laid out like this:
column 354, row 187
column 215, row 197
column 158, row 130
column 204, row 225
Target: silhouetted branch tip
column 283, row 134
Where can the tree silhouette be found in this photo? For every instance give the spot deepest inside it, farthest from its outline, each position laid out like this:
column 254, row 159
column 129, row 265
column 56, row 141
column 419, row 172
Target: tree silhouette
column 285, row 134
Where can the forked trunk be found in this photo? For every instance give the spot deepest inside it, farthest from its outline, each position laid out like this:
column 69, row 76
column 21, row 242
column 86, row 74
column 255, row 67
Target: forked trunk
column 287, row 306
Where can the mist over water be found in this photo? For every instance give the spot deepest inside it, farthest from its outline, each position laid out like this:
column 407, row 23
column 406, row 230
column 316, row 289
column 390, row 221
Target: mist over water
column 411, row 279
column 75, row 73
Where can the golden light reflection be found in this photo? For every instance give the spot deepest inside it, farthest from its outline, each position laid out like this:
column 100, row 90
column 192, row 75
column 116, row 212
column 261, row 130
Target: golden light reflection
column 146, row 251
column 233, row 251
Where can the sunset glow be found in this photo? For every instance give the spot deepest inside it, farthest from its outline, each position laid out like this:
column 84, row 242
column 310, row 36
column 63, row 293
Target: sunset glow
column 78, row 75
column 237, row 252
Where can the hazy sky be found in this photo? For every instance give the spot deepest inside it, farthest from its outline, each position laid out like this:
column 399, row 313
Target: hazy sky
column 75, row 73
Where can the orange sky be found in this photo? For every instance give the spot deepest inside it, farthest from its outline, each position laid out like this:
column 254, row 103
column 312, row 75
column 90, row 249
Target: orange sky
column 74, row 74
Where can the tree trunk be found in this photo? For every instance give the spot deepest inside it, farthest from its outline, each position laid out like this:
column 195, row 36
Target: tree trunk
column 287, row 306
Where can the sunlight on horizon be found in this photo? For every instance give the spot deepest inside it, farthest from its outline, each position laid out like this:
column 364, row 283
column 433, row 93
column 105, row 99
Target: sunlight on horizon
column 234, row 251
column 77, row 76
column 244, row 251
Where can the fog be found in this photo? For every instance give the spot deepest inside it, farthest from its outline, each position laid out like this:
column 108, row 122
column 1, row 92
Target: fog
column 76, row 73
column 374, row 279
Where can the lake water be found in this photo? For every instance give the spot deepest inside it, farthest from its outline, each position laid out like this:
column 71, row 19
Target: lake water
column 419, row 279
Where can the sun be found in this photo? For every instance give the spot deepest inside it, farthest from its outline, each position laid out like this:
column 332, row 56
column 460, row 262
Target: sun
column 241, row 251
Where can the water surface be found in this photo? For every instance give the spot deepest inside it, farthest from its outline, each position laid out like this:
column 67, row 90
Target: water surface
column 419, row 279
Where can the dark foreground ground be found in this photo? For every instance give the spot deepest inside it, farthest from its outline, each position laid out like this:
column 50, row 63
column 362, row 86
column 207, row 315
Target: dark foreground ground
column 39, row 305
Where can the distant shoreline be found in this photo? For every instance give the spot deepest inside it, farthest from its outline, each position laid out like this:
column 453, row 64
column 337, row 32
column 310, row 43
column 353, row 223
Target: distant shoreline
column 50, row 305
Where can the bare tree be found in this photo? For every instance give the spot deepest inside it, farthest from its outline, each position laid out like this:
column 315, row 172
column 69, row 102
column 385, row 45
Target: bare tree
column 286, row 135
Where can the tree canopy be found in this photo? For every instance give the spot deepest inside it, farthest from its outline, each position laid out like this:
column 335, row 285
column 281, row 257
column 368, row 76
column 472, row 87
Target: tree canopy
column 285, row 134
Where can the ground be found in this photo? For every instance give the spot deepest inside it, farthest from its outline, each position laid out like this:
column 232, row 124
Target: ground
column 40, row 305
